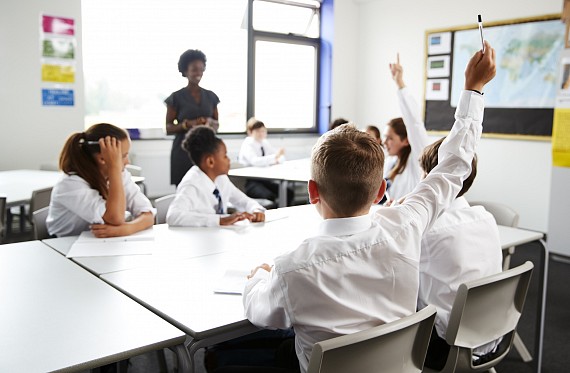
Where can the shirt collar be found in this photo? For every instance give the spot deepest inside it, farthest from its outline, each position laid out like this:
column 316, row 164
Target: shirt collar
column 204, row 179
column 345, row 226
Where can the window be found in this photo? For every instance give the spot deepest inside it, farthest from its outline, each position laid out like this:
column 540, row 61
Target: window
column 284, row 63
column 130, row 58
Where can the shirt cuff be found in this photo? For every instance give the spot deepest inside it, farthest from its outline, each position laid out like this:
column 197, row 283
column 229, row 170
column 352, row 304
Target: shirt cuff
column 470, row 105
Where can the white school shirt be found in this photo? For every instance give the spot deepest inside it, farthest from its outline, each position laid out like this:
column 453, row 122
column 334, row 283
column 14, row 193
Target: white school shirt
column 418, row 138
column 463, row 245
column 362, row 272
column 250, row 153
column 195, row 203
column 75, row 205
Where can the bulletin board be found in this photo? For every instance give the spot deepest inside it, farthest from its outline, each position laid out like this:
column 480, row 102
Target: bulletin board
column 519, row 101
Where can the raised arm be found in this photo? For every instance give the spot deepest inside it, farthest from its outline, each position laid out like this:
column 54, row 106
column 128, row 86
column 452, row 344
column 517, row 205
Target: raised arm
column 438, row 190
column 417, row 134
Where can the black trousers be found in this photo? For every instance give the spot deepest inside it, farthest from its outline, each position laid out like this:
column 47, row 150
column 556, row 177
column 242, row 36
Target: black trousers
column 267, row 189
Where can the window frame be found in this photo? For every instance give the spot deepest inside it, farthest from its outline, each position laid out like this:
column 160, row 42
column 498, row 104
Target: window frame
column 256, row 35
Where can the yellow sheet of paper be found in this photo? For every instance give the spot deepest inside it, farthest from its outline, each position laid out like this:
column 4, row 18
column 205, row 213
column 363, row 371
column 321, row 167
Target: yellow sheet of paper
column 58, row 73
column 561, row 138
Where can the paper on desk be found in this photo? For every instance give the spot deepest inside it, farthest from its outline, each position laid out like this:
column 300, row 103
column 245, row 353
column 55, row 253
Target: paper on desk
column 233, row 282
column 146, row 235
column 141, row 243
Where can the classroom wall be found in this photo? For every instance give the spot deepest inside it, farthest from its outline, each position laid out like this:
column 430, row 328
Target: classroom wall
column 514, row 172
column 30, row 134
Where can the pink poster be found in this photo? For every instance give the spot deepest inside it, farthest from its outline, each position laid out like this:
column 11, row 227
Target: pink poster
column 58, row 25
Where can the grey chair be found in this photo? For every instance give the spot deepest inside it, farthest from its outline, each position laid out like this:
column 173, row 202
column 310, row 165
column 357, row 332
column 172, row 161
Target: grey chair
column 2, row 218
column 399, row 346
column 504, row 215
column 40, row 199
column 137, row 171
column 162, row 205
column 39, row 223
column 485, row 310
column 239, row 182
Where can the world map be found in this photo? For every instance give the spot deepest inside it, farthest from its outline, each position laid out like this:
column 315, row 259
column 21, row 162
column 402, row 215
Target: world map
column 527, row 56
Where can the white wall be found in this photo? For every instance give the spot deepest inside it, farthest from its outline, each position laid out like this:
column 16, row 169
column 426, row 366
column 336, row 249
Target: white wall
column 514, row 172
column 30, row 134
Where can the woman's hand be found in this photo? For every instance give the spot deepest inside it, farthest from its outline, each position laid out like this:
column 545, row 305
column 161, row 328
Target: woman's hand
column 108, row 230
column 264, row 266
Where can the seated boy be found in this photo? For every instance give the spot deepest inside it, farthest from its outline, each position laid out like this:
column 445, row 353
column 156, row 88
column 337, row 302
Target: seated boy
column 203, row 195
column 257, row 151
column 462, row 245
column 363, row 271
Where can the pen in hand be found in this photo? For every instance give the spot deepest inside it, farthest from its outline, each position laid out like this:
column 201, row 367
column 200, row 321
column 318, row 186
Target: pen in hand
column 480, row 22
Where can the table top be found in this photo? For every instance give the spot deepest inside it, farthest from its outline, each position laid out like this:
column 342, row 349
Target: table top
column 296, row 170
column 515, row 236
column 18, row 185
column 56, row 315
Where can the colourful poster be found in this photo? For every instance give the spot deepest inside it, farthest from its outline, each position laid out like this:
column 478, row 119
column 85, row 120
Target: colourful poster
column 57, row 97
column 561, row 138
column 58, row 73
column 58, row 25
column 58, row 48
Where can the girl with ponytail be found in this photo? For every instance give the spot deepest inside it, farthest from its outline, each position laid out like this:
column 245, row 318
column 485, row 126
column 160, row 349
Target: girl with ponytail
column 96, row 191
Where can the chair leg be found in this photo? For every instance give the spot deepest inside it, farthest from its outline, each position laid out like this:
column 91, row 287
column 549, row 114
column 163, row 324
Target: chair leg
column 492, row 370
column 521, row 348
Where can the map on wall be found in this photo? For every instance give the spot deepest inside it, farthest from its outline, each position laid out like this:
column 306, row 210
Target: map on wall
column 527, row 56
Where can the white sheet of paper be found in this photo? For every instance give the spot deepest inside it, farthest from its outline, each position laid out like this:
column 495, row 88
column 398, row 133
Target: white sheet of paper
column 438, row 67
column 437, row 89
column 146, row 235
column 114, row 248
column 439, row 43
column 233, row 282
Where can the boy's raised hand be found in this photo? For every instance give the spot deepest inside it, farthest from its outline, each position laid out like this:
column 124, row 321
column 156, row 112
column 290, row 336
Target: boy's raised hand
column 480, row 69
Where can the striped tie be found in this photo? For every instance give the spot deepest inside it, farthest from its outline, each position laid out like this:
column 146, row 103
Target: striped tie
column 220, row 208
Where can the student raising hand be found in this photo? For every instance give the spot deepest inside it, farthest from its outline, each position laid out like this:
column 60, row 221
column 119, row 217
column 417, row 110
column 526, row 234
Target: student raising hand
column 397, row 72
column 480, row 69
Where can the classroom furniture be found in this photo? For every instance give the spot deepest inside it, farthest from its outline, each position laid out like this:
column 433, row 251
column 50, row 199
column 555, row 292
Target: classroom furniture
column 504, row 215
column 240, row 182
column 2, row 217
column 162, row 205
column 136, row 172
column 288, row 171
column 176, row 281
column 515, row 237
column 396, row 347
column 39, row 226
column 483, row 311
column 56, row 316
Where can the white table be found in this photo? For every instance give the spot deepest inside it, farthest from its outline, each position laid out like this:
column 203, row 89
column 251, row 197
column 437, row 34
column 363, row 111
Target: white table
column 515, row 237
column 56, row 316
column 297, row 170
column 18, row 185
column 172, row 281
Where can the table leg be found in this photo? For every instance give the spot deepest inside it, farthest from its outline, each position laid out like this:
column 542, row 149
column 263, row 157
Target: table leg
column 283, row 193
column 541, row 306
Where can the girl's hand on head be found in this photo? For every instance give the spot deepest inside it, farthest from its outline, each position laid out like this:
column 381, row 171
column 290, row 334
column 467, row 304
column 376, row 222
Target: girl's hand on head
column 111, row 152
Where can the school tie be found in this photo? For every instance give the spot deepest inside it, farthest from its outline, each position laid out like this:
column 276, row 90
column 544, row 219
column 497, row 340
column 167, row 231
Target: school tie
column 220, row 209
column 262, row 152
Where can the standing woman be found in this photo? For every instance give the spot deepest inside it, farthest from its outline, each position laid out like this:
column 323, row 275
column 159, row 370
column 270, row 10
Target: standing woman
column 97, row 191
column 189, row 107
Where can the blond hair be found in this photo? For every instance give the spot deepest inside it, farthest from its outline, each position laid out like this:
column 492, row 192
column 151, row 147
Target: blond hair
column 347, row 166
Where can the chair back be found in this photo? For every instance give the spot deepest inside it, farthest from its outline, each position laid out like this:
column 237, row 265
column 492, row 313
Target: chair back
column 399, row 346
column 503, row 214
column 2, row 217
column 39, row 218
column 40, row 199
column 485, row 310
column 162, row 205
